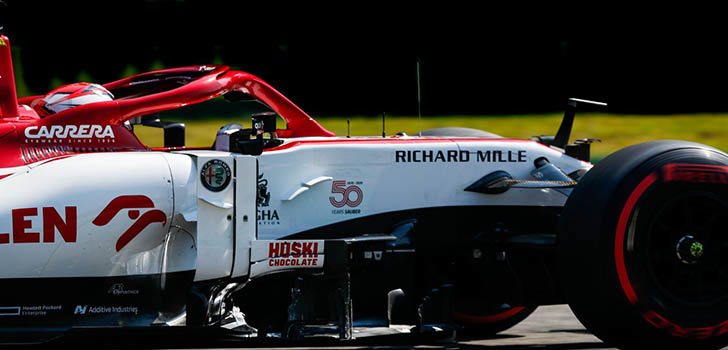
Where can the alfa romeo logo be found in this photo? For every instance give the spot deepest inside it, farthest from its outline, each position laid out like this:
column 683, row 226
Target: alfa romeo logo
column 215, row 175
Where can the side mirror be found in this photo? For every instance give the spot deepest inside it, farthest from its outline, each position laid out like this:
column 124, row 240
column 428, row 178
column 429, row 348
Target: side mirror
column 241, row 142
column 264, row 122
column 174, row 133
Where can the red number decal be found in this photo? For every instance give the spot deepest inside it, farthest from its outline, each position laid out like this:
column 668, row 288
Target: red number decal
column 339, row 187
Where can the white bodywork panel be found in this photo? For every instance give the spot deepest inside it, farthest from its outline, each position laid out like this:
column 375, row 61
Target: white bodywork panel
column 215, row 225
column 78, row 188
column 181, row 250
column 313, row 185
column 246, row 180
column 222, row 230
column 52, row 222
column 299, row 187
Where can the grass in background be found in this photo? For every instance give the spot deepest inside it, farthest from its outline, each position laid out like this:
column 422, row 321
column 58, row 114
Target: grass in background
column 615, row 131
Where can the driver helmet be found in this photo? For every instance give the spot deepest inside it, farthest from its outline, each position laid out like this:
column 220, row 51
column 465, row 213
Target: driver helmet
column 69, row 96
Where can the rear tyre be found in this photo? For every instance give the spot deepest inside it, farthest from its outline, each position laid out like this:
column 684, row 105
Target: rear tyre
column 644, row 250
column 485, row 323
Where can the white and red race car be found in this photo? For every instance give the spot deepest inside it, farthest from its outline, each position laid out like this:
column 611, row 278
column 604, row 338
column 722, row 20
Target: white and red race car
column 291, row 232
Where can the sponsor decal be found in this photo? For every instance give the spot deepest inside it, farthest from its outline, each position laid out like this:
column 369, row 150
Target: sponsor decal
column 66, row 225
column 39, row 310
column 118, row 289
column 29, row 310
column 133, row 202
column 52, row 222
column 346, row 194
column 695, row 173
column 101, row 310
column 72, row 133
column 263, row 198
column 657, row 321
column 2, row 42
column 459, row 156
column 268, row 217
column 294, row 254
column 215, row 175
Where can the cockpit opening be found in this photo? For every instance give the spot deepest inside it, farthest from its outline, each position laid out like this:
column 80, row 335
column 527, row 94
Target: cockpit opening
column 168, row 129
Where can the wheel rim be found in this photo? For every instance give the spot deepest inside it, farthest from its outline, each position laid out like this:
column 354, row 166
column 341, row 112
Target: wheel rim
column 687, row 248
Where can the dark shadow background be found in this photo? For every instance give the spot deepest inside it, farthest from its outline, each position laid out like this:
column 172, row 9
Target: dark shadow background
column 360, row 58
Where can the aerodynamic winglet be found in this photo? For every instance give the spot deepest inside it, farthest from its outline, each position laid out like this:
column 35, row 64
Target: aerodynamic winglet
column 8, row 95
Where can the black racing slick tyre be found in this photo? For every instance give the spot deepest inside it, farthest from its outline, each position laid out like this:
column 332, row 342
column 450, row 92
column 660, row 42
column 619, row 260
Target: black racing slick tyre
column 493, row 322
column 644, row 247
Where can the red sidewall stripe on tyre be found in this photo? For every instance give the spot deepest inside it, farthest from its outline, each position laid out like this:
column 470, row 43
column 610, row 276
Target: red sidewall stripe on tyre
column 650, row 316
column 622, row 232
column 501, row 316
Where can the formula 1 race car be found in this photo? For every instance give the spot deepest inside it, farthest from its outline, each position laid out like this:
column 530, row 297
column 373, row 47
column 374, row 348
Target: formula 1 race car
column 293, row 232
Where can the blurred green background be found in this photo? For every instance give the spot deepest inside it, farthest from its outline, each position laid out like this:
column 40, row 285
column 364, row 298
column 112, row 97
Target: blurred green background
column 506, row 72
column 615, row 131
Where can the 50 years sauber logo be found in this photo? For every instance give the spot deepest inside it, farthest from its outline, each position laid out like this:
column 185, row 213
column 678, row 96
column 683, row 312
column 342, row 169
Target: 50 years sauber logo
column 215, row 175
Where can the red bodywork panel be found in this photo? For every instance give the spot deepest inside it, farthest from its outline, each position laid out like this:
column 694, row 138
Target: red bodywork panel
column 99, row 127
column 8, row 95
